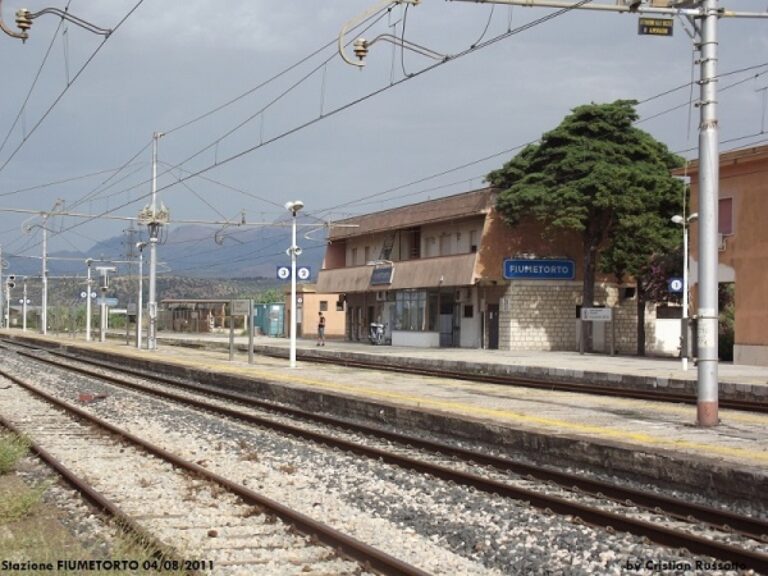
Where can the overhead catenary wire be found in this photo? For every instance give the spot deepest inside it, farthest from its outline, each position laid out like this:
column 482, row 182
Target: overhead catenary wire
column 67, row 87
column 34, row 82
column 350, row 104
column 199, row 173
column 98, row 191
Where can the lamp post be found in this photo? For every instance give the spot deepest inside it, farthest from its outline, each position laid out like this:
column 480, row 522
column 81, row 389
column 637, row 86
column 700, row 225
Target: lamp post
column 294, row 251
column 685, row 223
column 140, row 301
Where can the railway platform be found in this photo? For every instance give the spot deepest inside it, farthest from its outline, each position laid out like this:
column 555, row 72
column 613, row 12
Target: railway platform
column 629, row 437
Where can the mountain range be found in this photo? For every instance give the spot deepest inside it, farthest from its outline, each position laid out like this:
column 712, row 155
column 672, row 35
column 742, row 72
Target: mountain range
column 190, row 251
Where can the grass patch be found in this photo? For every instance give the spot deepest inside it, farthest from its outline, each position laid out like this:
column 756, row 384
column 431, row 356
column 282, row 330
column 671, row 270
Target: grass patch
column 16, row 505
column 38, row 535
column 12, row 448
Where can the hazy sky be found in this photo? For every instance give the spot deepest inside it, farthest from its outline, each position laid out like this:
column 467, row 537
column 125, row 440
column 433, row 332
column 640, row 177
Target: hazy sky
column 173, row 61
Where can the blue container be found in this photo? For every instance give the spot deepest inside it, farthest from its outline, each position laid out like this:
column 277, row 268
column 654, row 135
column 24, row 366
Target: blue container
column 269, row 319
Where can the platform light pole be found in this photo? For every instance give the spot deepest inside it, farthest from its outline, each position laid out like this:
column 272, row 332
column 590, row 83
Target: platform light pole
column 685, row 223
column 294, row 251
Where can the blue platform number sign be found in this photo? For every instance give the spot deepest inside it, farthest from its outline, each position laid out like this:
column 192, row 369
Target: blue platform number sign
column 538, row 269
column 283, row 272
column 303, row 273
column 675, row 285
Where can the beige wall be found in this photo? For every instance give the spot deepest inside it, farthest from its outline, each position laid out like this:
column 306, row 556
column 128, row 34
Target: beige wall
column 500, row 242
column 744, row 177
column 311, row 302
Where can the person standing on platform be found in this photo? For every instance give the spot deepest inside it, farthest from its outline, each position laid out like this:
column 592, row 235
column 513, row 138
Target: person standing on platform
column 321, row 329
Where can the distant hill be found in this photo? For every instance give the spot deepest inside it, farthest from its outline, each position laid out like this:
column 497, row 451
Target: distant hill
column 186, row 252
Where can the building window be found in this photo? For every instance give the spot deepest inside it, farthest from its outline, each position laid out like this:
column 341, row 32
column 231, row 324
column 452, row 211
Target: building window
column 410, row 308
column 367, row 255
column 469, row 311
column 323, row 305
column 354, row 257
column 473, row 240
column 431, row 247
column 445, row 245
column 725, row 216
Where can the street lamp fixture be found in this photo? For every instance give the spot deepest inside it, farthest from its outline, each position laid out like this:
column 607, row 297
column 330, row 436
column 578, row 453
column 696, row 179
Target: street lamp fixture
column 360, row 46
column 24, row 20
column 685, row 223
column 294, row 251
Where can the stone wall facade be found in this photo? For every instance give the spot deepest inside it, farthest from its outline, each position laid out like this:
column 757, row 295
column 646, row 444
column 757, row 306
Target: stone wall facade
column 541, row 315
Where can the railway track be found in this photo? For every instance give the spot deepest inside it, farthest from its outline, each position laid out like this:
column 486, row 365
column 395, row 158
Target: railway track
column 527, row 382
column 596, row 515
column 549, row 384
column 178, row 501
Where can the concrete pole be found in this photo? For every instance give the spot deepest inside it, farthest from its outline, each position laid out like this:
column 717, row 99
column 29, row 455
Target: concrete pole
column 8, row 303
column 88, row 288
column 24, row 307
column 250, row 331
column 154, row 228
column 2, row 308
column 685, row 295
column 44, row 302
column 140, row 301
column 709, row 177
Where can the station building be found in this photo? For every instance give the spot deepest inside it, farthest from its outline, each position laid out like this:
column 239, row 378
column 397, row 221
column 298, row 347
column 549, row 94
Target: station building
column 743, row 241
column 451, row 273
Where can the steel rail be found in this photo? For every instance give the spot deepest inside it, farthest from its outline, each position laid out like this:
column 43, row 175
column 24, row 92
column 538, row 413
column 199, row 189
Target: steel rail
column 505, row 380
column 97, row 499
column 588, row 514
column 366, row 555
column 721, row 519
column 528, row 382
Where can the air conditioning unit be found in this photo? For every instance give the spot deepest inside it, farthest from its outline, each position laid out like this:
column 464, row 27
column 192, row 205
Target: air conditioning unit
column 722, row 244
column 381, row 296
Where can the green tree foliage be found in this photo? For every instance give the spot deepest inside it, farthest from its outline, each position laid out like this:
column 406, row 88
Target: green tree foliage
column 598, row 175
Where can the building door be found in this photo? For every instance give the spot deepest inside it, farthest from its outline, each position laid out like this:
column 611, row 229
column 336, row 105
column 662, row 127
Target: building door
column 446, row 320
column 493, row 326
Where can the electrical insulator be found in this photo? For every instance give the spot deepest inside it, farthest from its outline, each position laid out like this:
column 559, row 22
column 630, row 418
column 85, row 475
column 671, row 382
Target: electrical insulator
column 11, row 277
column 360, row 48
column 22, row 20
column 11, row 284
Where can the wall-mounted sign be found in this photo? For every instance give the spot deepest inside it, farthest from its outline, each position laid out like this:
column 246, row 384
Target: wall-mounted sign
column 302, row 272
column 524, row 269
column 675, row 285
column 283, row 272
column 597, row 314
column 240, row 307
column 382, row 275
column 655, row 26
